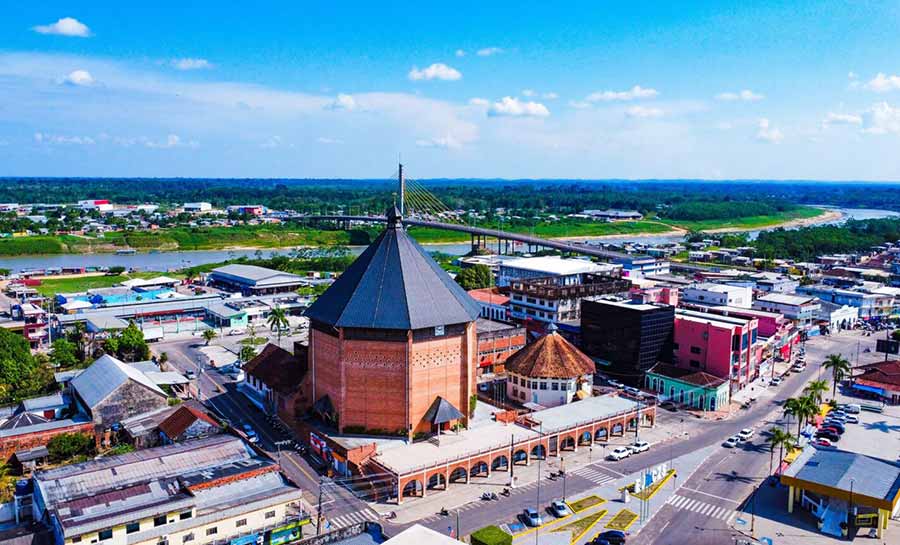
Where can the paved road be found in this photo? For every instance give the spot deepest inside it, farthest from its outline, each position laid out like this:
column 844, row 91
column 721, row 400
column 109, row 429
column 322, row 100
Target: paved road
column 218, row 392
column 706, row 503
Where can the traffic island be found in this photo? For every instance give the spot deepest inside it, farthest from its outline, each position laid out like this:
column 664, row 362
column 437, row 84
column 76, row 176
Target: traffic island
column 650, row 491
column 585, row 503
column 581, row 526
column 622, row 521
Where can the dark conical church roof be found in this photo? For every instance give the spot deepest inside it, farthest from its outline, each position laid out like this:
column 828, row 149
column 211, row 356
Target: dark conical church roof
column 394, row 284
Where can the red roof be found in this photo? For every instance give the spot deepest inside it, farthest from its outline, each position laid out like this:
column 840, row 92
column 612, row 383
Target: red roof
column 886, row 372
column 278, row 369
column 490, row 296
column 551, row 356
column 183, row 418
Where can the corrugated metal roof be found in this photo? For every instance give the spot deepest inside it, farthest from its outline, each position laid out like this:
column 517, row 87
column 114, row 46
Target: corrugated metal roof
column 253, row 274
column 837, row 468
column 44, row 402
column 394, row 284
column 104, row 376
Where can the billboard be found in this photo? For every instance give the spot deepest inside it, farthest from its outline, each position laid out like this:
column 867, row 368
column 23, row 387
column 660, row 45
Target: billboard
column 887, row 346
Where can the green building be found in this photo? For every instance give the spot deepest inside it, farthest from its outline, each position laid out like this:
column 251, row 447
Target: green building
column 689, row 387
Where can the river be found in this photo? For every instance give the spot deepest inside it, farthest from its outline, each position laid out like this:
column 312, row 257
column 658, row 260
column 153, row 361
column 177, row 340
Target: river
column 164, row 261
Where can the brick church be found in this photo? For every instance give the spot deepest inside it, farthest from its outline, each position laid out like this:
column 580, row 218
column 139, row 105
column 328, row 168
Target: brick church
column 392, row 346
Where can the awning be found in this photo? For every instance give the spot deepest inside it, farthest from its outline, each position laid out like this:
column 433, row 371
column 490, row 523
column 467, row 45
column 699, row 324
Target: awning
column 872, row 389
column 441, row 412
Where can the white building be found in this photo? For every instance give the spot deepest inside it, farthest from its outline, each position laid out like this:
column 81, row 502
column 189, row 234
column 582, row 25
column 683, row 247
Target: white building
column 541, row 267
column 197, row 207
column 718, row 295
column 800, row 309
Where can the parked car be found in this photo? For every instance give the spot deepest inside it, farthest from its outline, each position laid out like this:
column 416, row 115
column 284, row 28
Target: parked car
column 560, row 509
column 745, row 434
column 484, row 387
column 851, row 408
column 669, row 405
column 632, row 391
column 615, row 384
column 190, row 374
column 532, row 518
column 826, row 434
column 839, row 426
column 833, row 429
column 613, row 537
column 823, row 443
column 619, row 453
column 852, row 419
column 639, row 446
column 235, row 332
column 775, row 381
column 250, row 433
column 732, row 442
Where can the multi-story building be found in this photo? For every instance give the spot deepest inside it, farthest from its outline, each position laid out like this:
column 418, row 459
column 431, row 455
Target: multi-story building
column 204, row 491
column 494, row 304
column 639, row 266
column 496, row 342
column 566, row 271
column 554, row 299
column 801, row 309
column 34, row 323
column 711, row 294
column 723, row 346
column 871, row 305
column 778, row 332
column 195, row 207
column 626, row 339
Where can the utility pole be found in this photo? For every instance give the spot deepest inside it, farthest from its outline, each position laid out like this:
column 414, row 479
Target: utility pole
column 319, row 510
column 537, row 506
column 512, row 459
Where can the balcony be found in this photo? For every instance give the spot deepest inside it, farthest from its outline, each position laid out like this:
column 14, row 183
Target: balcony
column 548, row 288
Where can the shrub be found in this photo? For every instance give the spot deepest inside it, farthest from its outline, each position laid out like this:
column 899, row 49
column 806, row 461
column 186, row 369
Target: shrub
column 491, row 535
column 68, row 445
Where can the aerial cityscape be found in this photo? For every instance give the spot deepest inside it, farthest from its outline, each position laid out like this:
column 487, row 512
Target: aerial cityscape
column 586, row 274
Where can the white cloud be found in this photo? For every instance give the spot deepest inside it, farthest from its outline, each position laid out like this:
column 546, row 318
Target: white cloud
column 460, row 53
column 513, row 107
column 437, row 70
column 643, row 112
column 488, row 51
column 326, row 140
column 479, row 102
column 171, row 141
column 343, row 102
column 528, row 92
column 768, row 133
column 43, row 138
column 81, row 78
column 580, row 104
column 67, row 26
column 444, row 142
column 190, row 63
column 881, row 118
column 852, row 75
column 636, row 92
column 883, row 83
column 532, row 93
column 550, row 96
column 746, row 95
column 271, row 143
column 841, row 119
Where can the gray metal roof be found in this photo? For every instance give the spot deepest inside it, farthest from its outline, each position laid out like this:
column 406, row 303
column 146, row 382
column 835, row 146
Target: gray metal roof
column 441, row 412
column 50, row 401
column 394, row 284
column 104, row 376
column 837, row 468
column 252, row 274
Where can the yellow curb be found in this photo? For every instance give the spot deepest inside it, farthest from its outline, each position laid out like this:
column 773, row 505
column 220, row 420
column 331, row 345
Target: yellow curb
column 588, row 529
column 536, row 528
column 662, row 483
column 622, row 527
column 601, row 502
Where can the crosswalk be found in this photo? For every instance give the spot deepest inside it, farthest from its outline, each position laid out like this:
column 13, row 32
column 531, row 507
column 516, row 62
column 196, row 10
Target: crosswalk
column 703, row 508
column 594, row 475
column 349, row 519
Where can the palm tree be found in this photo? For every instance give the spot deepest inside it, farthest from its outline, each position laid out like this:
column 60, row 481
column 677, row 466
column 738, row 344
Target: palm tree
column 277, row 321
column 208, row 335
column 802, row 408
column 840, row 367
column 815, row 389
column 779, row 438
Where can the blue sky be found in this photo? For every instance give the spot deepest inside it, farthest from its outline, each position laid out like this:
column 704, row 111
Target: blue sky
column 713, row 90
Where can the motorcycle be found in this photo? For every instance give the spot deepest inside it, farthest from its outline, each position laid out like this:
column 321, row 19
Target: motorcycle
column 444, row 512
column 494, row 496
column 392, row 515
column 505, row 492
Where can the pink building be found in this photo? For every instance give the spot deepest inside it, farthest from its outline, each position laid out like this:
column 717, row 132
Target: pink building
column 663, row 295
column 772, row 325
column 723, row 346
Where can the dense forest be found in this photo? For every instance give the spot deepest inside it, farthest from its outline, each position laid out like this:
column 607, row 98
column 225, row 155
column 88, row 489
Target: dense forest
column 809, row 242
column 671, row 199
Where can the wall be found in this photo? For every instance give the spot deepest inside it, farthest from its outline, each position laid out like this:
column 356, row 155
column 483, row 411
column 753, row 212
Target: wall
column 10, row 445
column 129, row 399
column 374, row 380
column 441, row 366
column 715, row 350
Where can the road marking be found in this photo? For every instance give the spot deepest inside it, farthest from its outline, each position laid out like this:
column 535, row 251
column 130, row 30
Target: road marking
column 710, row 495
column 700, row 507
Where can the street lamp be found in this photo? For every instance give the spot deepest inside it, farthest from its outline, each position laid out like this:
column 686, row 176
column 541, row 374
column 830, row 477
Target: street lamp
column 537, row 506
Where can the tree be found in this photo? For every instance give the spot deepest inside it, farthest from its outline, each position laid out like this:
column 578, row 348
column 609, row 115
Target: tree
column 477, row 277
column 78, row 336
column 277, row 321
column 779, row 438
column 815, row 389
column 839, row 368
column 115, row 270
column 247, row 353
column 802, row 408
column 63, row 353
column 68, row 445
column 132, row 346
column 209, row 335
column 896, row 335
column 21, row 374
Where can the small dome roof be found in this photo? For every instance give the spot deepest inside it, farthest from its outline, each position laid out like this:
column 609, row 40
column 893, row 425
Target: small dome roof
column 551, row 356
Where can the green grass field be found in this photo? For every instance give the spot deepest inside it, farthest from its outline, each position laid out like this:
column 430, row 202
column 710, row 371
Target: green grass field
column 51, row 287
column 750, row 222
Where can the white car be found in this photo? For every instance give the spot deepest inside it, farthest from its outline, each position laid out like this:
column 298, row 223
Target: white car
column 851, row 408
column 850, row 419
column 639, row 446
column 731, row 442
column 619, row 453
column 745, row 434
column 775, row 381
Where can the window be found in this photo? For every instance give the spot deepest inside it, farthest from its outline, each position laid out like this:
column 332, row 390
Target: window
column 76, row 539
column 555, row 385
column 212, row 531
column 105, row 534
column 187, row 537
column 543, row 385
column 270, row 514
column 696, row 350
column 159, row 521
column 695, row 363
column 132, row 527
column 184, row 516
column 240, row 522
